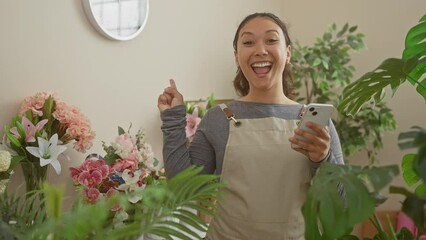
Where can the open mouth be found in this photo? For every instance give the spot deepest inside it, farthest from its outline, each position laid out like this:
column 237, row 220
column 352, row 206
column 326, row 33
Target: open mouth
column 261, row 68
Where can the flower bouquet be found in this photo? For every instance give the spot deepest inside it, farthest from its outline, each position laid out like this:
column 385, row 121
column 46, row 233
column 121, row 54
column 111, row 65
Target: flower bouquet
column 127, row 168
column 38, row 135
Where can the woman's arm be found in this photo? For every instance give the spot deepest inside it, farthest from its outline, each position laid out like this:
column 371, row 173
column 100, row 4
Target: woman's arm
column 177, row 156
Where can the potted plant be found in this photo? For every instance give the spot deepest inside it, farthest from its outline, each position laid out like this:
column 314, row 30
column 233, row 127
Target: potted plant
column 327, row 214
column 322, row 70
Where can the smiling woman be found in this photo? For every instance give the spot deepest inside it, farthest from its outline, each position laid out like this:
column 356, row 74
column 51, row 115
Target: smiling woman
column 117, row 19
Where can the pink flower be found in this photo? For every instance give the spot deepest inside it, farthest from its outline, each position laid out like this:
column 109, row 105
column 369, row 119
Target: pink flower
column 90, row 179
column 192, row 121
column 125, row 147
column 30, row 129
column 85, row 173
column 123, row 164
column 92, row 194
column 35, row 103
column 75, row 173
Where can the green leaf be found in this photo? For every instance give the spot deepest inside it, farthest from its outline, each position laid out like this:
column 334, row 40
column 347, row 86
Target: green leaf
column 336, row 215
column 421, row 190
column 404, row 234
column 13, row 140
column 121, row 130
column 327, row 36
column 356, row 94
column 21, row 130
column 317, row 62
column 353, row 29
column 408, row 173
column 343, row 31
column 379, row 177
column 414, row 206
column 415, row 48
column 48, row 108
column 325, row 64
column 54, row 200
column 15, row 160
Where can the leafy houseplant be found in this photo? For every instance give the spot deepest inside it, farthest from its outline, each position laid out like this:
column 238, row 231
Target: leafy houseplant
column 323, row 70
column 371, row 86
column 173, row 199
column 324, row 205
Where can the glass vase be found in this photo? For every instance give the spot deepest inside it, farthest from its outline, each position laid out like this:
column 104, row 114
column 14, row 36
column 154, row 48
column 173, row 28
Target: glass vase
column 34, row 176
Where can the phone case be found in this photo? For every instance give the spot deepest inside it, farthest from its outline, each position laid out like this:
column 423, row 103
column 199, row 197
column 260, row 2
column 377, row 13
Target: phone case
column 317, row 113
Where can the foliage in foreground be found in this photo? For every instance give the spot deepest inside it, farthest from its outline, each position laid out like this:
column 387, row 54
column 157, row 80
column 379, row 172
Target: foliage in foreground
column 168, row 211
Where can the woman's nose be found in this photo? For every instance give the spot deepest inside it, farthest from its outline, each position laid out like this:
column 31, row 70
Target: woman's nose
column 261, row 50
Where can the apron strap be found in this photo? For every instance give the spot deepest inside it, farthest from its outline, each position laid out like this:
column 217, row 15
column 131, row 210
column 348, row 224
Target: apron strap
column 229, row 114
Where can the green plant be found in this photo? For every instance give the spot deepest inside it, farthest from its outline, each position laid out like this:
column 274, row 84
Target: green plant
column 328, row 214
column 371, row 86
column 322, row 70
column 163, row 204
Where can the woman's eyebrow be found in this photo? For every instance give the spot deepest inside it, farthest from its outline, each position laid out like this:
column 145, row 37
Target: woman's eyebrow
column 250, row 33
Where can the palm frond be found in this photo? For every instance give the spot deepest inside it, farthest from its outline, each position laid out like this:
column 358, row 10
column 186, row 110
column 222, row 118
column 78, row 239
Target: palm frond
column 20, row 214
column 189, row 192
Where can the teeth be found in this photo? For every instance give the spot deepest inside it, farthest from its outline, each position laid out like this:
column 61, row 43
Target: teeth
column 261, row 64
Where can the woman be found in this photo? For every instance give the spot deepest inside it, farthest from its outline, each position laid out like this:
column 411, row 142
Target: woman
column 248, row 142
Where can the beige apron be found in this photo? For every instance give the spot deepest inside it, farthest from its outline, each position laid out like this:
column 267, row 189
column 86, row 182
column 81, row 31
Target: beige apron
column 266, row 183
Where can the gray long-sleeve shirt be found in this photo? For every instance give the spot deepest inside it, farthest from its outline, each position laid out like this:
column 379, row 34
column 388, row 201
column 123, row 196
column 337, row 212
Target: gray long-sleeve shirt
column 208, row 146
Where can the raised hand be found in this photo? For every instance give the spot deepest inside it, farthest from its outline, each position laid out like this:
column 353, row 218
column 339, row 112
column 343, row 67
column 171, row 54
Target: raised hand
column 170, row 97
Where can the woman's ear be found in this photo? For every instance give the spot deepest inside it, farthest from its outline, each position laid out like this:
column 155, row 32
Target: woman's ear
column 236, row 59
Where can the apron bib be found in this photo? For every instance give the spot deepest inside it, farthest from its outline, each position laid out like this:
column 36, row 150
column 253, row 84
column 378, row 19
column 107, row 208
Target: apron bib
column 266, row 183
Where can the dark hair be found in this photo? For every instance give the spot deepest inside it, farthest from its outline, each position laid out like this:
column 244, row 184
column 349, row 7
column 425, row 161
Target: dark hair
column 241, row 84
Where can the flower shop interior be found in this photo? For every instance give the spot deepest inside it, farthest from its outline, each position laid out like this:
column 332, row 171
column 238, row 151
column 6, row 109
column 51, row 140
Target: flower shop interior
column 54, row 47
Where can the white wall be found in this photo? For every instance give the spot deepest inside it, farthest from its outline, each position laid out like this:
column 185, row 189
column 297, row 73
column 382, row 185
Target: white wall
column 50, row 46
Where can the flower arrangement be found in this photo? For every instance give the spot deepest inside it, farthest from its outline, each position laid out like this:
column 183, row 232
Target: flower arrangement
column 38, row 135
column 195, row 111
column 127, row 168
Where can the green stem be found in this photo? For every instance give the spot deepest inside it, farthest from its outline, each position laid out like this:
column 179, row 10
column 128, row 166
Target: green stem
column 379, row 226
column 392, row 231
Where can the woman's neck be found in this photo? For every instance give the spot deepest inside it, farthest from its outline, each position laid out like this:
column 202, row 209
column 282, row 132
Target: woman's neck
column 267, row 98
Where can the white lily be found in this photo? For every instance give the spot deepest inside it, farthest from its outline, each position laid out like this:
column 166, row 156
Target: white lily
column 48, row 152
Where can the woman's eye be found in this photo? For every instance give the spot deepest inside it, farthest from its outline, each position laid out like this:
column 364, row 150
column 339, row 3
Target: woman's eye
column 271, row 41
column 246, row 43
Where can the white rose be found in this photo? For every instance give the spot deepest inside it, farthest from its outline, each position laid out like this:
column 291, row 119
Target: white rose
column 5, row 158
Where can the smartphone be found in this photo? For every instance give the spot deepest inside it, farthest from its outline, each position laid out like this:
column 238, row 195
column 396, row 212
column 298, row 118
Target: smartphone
column 317, row 113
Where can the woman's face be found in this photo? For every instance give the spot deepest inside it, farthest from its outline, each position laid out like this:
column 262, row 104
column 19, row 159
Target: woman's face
column 262, row 54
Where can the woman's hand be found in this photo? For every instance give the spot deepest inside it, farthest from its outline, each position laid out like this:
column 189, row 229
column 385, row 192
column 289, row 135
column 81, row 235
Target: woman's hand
column 316, row 147
column 170, row 97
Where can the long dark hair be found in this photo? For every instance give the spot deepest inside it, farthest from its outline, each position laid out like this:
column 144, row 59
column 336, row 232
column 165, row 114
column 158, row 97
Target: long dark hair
column 241, row 84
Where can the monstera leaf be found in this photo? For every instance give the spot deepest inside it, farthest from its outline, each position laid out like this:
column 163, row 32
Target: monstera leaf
column 338, row 211
column 392, row 72
column 414, row 165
